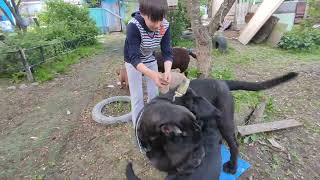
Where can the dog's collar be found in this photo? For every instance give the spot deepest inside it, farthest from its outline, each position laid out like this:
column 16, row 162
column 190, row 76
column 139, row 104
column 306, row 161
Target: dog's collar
column 182, row 89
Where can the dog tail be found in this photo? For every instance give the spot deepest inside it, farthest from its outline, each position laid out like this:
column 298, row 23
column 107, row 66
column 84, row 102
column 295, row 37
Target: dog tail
column 130, row 173
column 257, row 86
column 192, row 54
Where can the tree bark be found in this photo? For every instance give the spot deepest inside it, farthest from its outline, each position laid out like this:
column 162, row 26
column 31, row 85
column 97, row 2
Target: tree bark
column 219, row 16
column 209, row 6
column 204, row 34
column 203, row 39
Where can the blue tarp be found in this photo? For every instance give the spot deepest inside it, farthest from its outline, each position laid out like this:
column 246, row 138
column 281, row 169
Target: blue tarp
column 6, row 9
column 242, row 165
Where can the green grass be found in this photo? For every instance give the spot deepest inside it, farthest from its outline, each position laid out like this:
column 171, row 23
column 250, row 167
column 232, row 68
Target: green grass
column 18, row 76
column 295, row 156
column 224, row 73
column 262, row 52
column 276, row 162
column 62, row 63
column 232, row 57
column 225, row 64
column 192, row 73
column 243, row 99
column 251, row 139
column 186, row 43
column 252, row 99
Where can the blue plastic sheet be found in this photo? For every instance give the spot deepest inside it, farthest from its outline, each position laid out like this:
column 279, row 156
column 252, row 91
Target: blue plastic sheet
column 242, row 165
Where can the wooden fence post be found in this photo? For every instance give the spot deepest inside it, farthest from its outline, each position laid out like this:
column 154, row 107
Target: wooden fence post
column 42, row 54
column 26, row 65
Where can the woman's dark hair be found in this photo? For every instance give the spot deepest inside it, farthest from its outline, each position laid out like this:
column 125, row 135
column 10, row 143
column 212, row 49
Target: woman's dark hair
column 156, row 10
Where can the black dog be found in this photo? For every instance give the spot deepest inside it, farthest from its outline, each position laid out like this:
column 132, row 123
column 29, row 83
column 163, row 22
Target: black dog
column 219, row 95
column 185, row 145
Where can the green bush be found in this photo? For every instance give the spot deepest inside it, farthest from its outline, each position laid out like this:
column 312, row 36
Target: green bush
column 304, row 36
column 62, row 22
column 300, row 38
column 313, row 12
column 66, row 21
column 178, row 22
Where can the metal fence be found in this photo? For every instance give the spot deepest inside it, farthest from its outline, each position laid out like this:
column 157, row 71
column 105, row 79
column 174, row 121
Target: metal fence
column 21, row 59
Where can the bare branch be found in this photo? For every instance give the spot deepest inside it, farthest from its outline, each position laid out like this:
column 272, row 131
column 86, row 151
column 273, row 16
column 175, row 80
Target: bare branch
column 219, row 16
column 209, row 6
column 19, row 3
column 14, row 5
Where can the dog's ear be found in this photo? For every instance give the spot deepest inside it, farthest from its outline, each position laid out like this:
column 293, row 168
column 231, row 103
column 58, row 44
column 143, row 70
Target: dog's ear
column 169, row 129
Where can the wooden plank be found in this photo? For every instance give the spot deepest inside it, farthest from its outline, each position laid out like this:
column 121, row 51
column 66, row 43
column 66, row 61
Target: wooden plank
column 215, row 6
column 265, row 127
column 263, row 13
column 26, row 65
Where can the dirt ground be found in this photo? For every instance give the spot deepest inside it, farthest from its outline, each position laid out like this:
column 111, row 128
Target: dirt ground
column 39, row 139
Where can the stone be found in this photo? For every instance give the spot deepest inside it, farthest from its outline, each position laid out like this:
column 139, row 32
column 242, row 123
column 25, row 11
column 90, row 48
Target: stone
column 11, row 88
column 23, row 86
column 35, row 84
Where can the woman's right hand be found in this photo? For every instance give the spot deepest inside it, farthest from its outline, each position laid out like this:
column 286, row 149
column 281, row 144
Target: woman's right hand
column 154, row 75
column 158, row 79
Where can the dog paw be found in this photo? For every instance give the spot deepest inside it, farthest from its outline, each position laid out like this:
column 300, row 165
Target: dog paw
column 229, row 168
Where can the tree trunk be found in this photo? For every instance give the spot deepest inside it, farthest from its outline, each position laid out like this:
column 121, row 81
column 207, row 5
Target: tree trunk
column 219, row 16
column 204, row 34
column 203, row 39
column 204, row 57
column 209, row 6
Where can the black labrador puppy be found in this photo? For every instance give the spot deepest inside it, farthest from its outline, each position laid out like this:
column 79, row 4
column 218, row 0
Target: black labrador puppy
column 185, row 145
column 217, row 92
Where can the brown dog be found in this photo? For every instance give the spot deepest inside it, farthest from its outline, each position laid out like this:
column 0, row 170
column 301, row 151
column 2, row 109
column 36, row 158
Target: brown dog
column 181, row 59
column 123, row 78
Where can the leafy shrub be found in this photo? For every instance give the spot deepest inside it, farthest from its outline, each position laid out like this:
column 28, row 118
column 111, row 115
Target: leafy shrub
column 304, row 36
column 178, row 22
column 66, row 21
column 61, row 22
column 300, row 38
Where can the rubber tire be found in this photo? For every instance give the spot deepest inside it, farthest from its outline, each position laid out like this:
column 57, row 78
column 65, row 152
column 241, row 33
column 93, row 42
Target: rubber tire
column 100, row 118
column 220, row 42
column 188, row 35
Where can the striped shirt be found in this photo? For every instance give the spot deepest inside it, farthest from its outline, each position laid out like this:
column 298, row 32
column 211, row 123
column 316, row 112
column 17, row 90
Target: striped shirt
column 141, row 43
